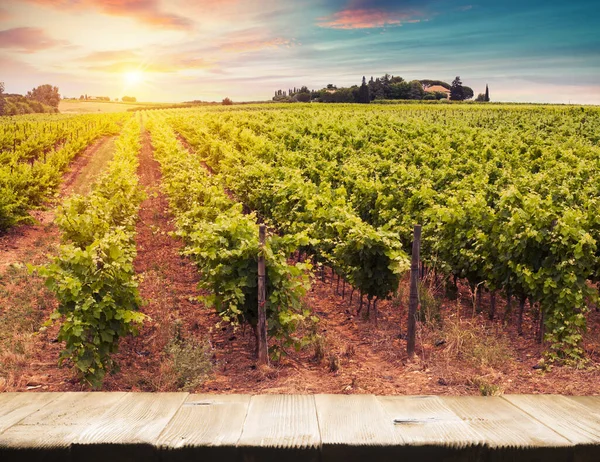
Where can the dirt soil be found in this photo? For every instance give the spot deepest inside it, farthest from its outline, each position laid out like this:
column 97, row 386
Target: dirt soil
column 458, row 351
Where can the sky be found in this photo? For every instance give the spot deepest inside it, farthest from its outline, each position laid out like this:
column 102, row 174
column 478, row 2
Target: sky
column 181, row 50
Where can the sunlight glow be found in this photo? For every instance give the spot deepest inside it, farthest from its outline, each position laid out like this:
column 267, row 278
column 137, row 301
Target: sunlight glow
column 133, row 77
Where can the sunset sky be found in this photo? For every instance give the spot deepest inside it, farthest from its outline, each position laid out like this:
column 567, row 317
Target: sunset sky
column 532, row 50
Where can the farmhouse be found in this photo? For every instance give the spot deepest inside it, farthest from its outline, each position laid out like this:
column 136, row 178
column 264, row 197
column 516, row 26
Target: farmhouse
column 436, row 89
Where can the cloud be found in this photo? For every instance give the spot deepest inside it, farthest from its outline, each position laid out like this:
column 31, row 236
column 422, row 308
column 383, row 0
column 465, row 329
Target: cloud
column 113, row 55
column 251, row 39
column 28, row 39
column 162, row 65
column 255, row 45
column 367, row 18
column 145, row 11
column 4, row 15
column 11, row 66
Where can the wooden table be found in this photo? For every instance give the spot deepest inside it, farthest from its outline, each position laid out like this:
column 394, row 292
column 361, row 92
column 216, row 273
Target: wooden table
column 112, row 427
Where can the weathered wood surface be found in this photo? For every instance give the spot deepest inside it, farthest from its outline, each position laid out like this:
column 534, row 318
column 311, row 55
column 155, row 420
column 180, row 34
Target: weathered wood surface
column 14, row 407
column 281, row 424
column 179, row 427
column 425, row 425
column 566, row 416
column 59, row 422
column 128, row 430
column 509, row 433
column 205, row 426
column 354, row 427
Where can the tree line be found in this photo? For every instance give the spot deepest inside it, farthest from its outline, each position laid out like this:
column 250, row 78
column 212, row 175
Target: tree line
column 387, row 87
column 44, row 98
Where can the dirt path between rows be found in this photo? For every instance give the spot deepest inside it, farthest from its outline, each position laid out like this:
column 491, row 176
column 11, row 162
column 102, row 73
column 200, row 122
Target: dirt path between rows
column 168, row 286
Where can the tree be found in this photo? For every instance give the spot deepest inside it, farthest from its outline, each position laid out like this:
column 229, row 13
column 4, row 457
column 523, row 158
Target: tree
column 487, row 94
column 45, row 94
column 302, row 94
column 430, row 83
column 127, row 99
column 228, row 102
column 467, row 93
column 480, row 98
column 457, row 90
column 363, row 93
column 1, row 98
column 303, row 97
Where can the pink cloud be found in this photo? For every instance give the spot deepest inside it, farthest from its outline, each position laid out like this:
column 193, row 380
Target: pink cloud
column 254, row 45
column 27, row 39
column 145, row 11
column 103, row 56
column 367, row 18
column 164, row 64
column 14, row 67
column 4, row 14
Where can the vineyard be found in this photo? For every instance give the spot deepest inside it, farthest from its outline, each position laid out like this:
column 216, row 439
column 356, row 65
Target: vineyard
column 34, row 153
column 508, row 198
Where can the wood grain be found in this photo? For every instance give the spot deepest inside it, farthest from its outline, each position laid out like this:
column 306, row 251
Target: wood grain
column 355, row 427
column 426, row 420
column 206, row 427
column 565, row 416
column 501, row 424
column 280, row 426
column 129, row 429
column 14, row 407
column 116, row 427
column 510, row 433
column 60, row 422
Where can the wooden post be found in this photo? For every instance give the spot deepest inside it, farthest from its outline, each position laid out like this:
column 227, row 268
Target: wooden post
column 414, row 291
column 261, row 338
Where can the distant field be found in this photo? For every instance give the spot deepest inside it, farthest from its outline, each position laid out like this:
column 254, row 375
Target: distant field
column 83, row 107
column 86, row 107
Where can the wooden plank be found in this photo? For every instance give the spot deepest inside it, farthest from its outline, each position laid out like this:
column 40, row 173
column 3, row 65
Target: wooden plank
column 592, row 403
column 129, row 429
column 571, row 419
column 14, row 407
column 428, row 428
column 510, row 433
column 280, row 427
column 206, row 427
column 354, row 428
column 59, row 423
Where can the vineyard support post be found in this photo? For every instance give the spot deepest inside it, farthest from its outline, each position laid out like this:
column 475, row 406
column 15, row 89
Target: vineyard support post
column 261, row 338
column 414, row 292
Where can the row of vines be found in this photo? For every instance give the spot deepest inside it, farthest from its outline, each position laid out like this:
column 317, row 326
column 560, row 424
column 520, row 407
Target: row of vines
column 223, row 243
column 93, row 276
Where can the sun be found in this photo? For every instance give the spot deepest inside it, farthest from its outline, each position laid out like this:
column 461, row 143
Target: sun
column 133, row 77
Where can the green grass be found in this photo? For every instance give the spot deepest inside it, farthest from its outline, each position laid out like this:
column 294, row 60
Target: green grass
column 90, row 173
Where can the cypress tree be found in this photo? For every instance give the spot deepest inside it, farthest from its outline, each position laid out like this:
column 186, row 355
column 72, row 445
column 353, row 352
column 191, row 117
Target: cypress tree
column 487, row 93
column 363, row 93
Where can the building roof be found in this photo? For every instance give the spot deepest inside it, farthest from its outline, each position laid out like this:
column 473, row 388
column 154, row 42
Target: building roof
column 439, row 88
